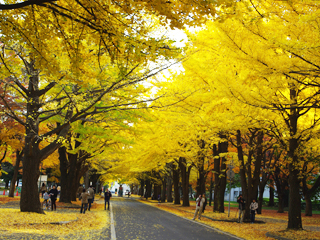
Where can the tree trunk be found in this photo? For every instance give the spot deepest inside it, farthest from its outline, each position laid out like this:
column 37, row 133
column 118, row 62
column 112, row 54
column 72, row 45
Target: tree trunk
column 15, row 173
column 294, row 200
column 201, row 181
column 141, row 190
column 185, row 173
column 308, row 210
column 250, row 172
column 220, row 179
column 260, row 201
column 164, row 192
column 65, row 195
column 176, row 178
column 210, row 191
column 156, row 191
column 87, row 180
column 169, row 190
column 271, row 197
column 33, row 156
column 148, row 187
column 30, row 201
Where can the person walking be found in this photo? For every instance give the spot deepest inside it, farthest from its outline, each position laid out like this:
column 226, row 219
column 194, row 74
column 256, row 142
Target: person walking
column 205, row 202
column 242, row 209
column 107, row 196
column 199, row 205
column 253, row 208
column 53, row 193
column 84, row 201
column 91, row 196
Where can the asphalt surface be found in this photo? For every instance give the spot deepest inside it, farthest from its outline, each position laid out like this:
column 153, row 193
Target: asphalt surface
column 135, row 220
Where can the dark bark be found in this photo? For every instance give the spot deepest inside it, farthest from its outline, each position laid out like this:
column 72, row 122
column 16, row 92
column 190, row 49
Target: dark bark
column 220, row 179
column 176, row 180
column 33, row 155
column 185, row 174
column 65, row 195
column 164, row 192
column 271, row 197
column 15, row 173
column 250, row 172
column 169, row 189
column 202, row 174
column 72, row 168
column 260, row 200
column 308, row 210
column 294, row 181
column 23, row 4
column 307, row 193
column 156, row 191
column 148, row 187
column 141, row 189
column 210, row 191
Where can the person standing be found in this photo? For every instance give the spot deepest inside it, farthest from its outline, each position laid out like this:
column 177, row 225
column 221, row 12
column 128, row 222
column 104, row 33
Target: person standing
column 242, row 209
column 90, row 197
column 84, row 201
column 199, row 205
column 107, row 196
column 253, row 209
column 53, row 193
column 43, row 189
column 46, row 198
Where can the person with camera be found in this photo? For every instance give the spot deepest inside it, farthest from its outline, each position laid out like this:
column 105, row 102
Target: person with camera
column 253, row 209
column 199, row 206
column 242, row 208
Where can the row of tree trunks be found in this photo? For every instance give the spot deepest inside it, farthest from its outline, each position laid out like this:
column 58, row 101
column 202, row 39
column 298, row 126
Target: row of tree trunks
column 250, row 178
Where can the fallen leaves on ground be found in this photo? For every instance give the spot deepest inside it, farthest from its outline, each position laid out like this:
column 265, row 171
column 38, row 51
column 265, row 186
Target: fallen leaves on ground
column 77, row 224
column 5, row 199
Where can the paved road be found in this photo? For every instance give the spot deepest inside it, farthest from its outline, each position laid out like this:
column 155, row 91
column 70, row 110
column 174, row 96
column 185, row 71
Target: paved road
column 135, row 220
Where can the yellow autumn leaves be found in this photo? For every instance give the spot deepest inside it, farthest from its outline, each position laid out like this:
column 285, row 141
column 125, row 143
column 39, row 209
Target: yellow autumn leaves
column 59, row 223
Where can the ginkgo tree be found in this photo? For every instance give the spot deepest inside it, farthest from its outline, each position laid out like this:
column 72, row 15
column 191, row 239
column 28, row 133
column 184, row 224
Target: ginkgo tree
column 269, row 62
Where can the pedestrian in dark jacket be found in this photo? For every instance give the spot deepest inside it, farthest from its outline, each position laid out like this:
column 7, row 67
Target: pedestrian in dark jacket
column 53, row 193
column 84, row 201
column 107, row 196
column 242, row 208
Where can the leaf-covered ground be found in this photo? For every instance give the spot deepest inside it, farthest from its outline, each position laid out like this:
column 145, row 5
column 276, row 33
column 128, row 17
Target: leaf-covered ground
column 271, row 222
column 65, row 223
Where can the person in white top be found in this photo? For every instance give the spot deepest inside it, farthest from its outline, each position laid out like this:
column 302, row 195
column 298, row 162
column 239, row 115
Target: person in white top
column 199, row 205
column 253, row 208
